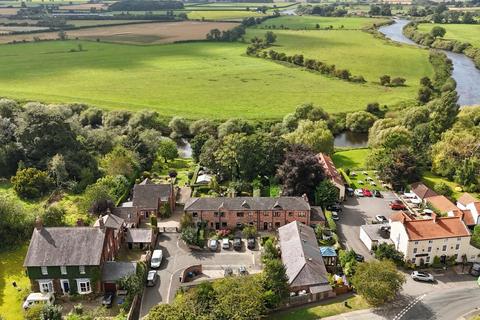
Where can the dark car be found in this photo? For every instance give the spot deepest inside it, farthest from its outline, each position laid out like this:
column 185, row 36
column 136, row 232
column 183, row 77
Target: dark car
column 397, row 205
column 359, row 257
column 107, row 300
column 251, row 243
column 237, row 243
column 377, row 194
column 334, row 207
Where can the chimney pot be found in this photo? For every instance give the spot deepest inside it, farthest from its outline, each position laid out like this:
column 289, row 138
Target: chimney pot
column 38, row 223
column 100, row 222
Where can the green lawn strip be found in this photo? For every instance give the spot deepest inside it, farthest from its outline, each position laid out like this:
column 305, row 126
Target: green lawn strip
column 325, row 309
column 11, row 270
column 430, row 179
column 353, row 159
column 310, row 22
column 461, row 32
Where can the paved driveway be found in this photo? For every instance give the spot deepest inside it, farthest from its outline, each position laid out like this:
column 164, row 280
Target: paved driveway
column 360, row 211
column 177, row 257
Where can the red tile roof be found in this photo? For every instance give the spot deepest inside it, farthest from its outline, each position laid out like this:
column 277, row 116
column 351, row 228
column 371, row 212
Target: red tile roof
column 330, row 170
column 400, row 216
column 441, row 203
column 466, row 216
column 467, row 198
column 422, row 191
column 436, row 228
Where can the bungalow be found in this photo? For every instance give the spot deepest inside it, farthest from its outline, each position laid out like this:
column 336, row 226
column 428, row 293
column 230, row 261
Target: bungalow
column 332, row 174
column 68, row 260
column 303, row 261
column 149, row 197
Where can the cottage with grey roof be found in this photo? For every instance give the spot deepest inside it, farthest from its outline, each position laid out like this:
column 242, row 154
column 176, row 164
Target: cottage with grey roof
column 149, row 197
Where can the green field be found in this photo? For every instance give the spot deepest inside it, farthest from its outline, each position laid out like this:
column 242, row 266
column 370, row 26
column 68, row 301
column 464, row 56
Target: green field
column 461, row 32
column 222, row 15
column 358, row 52
column 310, row 22
column 194, row 80
column 88, row 23
column 351, row 159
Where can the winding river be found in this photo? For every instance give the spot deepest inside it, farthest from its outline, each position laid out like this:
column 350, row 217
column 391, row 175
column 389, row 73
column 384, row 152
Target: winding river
column 464, row 72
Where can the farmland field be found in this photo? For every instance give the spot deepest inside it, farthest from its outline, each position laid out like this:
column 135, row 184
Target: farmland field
column 222, row 15
column 461, row 32
column 310, row 22
column 192, row 80
column 150, row 33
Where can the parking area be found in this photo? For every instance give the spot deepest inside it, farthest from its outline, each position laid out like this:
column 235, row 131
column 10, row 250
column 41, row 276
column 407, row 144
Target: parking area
column 360, row 211
column 177, row 257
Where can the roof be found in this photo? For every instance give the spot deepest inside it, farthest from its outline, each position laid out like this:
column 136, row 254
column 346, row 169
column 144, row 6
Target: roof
column 114, row 271
column 328, row 252
column 301, row 255
column 436, row 228
column 147, row 195
column 317, row 215
column 467, row 198
column 110, row 221
column 466, row 216
column 65, row 246
column 375, row 233
column 139, row 235
column 330, row 170
column 400, row 216
column 247, row 203
column 441, row 203
column 422, row 191
column 128, row 214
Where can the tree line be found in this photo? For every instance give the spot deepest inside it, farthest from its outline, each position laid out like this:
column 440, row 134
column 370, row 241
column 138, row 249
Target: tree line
column 330, row 10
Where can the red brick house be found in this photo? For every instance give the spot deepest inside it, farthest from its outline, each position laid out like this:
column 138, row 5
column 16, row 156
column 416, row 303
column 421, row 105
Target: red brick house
column 264, row 213
column 149, row 197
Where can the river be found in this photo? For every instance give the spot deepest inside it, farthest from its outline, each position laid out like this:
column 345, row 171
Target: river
column 464, row 72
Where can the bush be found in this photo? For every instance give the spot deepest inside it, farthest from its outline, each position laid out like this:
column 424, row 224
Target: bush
column 443, row 189
column 31, row 183
column 330, row 222
column 397, row 82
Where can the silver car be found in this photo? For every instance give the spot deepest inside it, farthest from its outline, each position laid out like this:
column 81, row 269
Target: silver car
column 152, row 278
column 422, row 276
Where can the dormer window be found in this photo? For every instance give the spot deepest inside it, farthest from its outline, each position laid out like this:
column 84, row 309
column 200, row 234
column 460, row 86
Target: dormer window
column 44, row 271
column 81, row 269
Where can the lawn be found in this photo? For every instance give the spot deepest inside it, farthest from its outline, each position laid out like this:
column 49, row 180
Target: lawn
column 310, row 22
column 357, row 51
column 11, row 270
column 324, row 310
column 181, row 165
column 461, row 32
column 193, row 80
column 430, row 179
column 351, row 159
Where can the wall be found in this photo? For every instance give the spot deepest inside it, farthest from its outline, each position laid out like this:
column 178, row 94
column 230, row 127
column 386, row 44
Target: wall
column 365, row 239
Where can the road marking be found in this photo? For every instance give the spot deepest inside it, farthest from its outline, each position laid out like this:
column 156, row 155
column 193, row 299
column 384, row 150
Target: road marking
column 409, row 306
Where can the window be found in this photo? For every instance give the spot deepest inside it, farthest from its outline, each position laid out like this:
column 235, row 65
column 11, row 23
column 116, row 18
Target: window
column 416, row 242
column 414, row 250
column 215, row 214
column 224, row 224
column 81, row 269
column 444, row 248
column 265, row 214
column 429, row 249
column 302, row 214
column 458, row 239
column 457, row 246
column 277, row 225
column 63, row 270
column 250, row 214
column 276, row 214
column 430, row 241
column 413, row 260
column 194, row 214
column 445, row 240
column 428, row 260
column 239, row 214
column 290, row 214
column 84, row 286
column 45, row 285
column 222, row 214
column 44, row 271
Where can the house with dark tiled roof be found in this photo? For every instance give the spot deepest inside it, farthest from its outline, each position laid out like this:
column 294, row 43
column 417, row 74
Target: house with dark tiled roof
column 332, row 173
column 303, row 261
column 265, row 213
column 117, row 224
column 149, row 197
column 68, row 260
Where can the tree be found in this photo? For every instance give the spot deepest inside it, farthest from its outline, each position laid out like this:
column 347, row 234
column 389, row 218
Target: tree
column 388, row 251
column 475, row 240
column 385, row 80
column 443, row 112
column 167, row 149
column 121, row 161
column 360, row 121
column 275, row 280
column 378, row 281
column 396, row 166
column 34, row 312
column 54, row 216
column 326, row 194
column 270, row 37
column 51, row 312
column 15, row 222
column 97, row 199
column 300, row 173
column 197, row 144
column 249, row 231
column 179, row 127
column 203, row 126
column 234, row 126
column 186, row 221
column 438, row 32
column 57, row 169
column 189, row 235
column 270, row 252
column 348, row 261
column 374, row 108
column 314, row 135
column 443, row 189
column 31, row 183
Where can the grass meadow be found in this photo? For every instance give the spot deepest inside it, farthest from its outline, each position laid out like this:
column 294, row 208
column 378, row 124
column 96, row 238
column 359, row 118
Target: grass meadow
column 461, row 32
column 194, row 80
column 310, row 22
column 351, row 159
column 222, row 14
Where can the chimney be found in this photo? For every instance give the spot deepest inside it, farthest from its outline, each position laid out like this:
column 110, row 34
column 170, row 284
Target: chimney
column 101, row 224
column 304, row 196
column 434, row 217
column 80, row 223
column 38, row 223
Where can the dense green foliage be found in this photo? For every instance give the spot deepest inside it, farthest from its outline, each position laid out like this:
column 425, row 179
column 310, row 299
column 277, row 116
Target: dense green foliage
column 16, row 223
column 326, row 194
column 31, row 183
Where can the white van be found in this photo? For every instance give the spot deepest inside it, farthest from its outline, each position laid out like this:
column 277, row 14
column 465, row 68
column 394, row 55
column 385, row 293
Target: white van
column 156, row 259
column 38, row 297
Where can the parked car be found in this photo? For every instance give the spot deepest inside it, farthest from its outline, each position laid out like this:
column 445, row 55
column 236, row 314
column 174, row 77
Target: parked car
column 225, row 243
column 397, row 205
column 422, row 276
column 213, row 245
column 335, row 216
column 366, row 193
column 251, row 243
column 157, row 257
column 335, row 207
column 359, row 257
column 38, row 298
column 242, row 271
column 377, row 194
column 358, row 192
column 350, row 192
column 152, row 278
column 327, row 234
column 475, row 271
column 228, row 272
column 381, row 219
column 107, row 300
column 237, row 243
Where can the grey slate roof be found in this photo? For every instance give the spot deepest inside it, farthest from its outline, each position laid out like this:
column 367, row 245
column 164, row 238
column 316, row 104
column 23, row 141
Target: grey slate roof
column 317, row 215
column 247, row 203
column 139, row 235
column 128, row 214
column 301, row 255
column 114, row 271
column 147, row 195
column 65, row 246
column 110, row 221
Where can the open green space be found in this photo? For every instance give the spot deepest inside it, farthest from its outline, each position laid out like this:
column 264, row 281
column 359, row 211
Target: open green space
column 326, row 309
column 461, row 32
column 431, row 179
column 88, row 23
column 359, row 52
column 182, row 166
column 351, row 159
column 239, row 4
column 193, row 80
column 310, row 22
column 222, row 14
column 11, row 270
